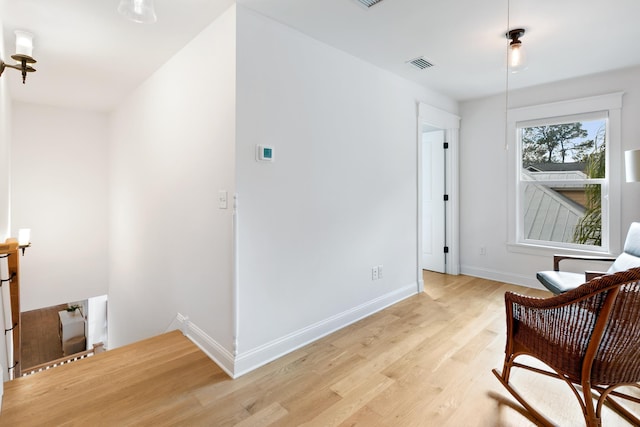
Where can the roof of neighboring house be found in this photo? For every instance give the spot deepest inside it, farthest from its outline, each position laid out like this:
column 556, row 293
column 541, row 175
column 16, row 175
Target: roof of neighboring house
column 557, row 176
column 556, row 167
column 548, row 215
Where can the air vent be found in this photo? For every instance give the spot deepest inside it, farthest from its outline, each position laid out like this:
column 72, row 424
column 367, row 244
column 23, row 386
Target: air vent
column 369, row 3
column 420, row 63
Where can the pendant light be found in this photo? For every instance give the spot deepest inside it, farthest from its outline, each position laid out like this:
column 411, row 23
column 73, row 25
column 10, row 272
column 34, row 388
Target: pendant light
column 516, row 58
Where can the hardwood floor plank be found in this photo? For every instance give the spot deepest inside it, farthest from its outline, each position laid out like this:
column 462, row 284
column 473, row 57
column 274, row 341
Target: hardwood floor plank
column 425, row 361
column 265, row 417
column 352, row 402
column 400, row 346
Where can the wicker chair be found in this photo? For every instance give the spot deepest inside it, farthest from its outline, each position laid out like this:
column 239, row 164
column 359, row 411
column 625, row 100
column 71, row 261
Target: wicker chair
column 589, row 337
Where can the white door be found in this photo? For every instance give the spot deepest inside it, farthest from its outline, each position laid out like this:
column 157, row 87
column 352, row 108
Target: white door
column 433, row 204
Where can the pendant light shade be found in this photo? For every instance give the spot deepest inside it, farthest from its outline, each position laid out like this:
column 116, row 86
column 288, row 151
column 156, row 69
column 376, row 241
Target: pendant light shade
column 141, row 11
column 516, row 58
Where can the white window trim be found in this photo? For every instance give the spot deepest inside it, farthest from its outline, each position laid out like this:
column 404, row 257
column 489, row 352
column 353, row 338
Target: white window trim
column 610, row 102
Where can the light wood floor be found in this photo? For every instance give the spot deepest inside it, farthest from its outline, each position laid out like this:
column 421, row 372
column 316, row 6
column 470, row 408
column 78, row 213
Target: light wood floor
column 423, row 362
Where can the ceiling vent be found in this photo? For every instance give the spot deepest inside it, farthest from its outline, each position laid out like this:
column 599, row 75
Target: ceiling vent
column 369, row 3
column 420, row 63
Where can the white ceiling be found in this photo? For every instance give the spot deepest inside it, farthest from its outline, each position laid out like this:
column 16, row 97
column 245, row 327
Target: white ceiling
column 90, row 57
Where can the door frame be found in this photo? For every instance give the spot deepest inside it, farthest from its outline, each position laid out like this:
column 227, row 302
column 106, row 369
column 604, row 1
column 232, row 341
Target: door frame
column 450, row 123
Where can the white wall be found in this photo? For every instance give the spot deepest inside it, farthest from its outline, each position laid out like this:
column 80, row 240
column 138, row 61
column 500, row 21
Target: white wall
column 59, row 191
column 483, row 168
column 172, row 150
column 340, row 196
column 96, row 314
column 5, row 170
column 5, row 138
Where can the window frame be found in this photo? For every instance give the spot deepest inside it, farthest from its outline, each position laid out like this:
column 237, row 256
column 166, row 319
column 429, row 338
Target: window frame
column 610, row 105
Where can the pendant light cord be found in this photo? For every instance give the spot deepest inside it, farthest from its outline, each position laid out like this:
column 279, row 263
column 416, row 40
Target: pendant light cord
column 506, row 84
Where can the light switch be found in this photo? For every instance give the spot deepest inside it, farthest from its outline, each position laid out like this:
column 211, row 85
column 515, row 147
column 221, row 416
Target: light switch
column 222, row 199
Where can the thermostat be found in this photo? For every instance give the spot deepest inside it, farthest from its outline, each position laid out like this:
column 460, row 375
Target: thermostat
column 264, row 153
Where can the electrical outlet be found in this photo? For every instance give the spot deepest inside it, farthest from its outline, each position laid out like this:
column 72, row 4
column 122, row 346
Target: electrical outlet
column 483, row 250
column 380, row 272
column 374, row 273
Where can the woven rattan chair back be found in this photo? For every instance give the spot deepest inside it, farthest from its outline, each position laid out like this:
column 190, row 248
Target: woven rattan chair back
column 589, row 337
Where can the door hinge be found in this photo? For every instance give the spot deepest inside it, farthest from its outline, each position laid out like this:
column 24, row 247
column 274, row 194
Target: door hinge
column 445, row 145
column 446, row 249
column 446, row 197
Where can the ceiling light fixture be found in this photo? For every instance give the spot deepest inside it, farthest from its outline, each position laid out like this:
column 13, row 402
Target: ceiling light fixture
column 24, row 50
column 517, row 60
column 141, row 11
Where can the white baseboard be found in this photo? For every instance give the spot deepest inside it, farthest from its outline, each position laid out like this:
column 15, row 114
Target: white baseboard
column 501, row 276
column 216, row 352
column 179, row 323
column 249, row 360
column 253, row 359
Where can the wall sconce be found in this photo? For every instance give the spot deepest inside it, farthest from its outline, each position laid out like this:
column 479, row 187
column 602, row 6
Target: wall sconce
column 141, row 11
column 632, row 165
column 24, row 239
column 516, row 56
column 24, row 49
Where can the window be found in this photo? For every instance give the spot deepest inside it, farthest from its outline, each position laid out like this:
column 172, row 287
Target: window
column 563, row 191
column 563, row 169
